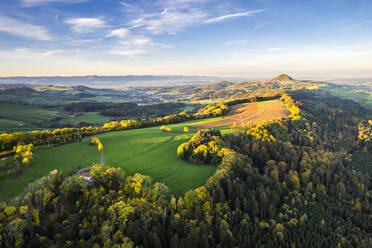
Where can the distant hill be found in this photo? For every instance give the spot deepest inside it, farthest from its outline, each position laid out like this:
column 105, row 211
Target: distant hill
column 282, row 77
column 116, row 81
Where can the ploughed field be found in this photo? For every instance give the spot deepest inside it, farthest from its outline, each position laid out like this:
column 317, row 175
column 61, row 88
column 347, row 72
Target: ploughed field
column 249, row 113
column 147, row 151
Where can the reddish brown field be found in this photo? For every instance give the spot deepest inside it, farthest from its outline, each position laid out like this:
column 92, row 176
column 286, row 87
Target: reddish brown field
column 252, row 113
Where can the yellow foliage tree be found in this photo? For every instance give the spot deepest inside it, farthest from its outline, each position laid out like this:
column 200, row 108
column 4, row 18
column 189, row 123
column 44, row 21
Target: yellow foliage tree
column 99, row 144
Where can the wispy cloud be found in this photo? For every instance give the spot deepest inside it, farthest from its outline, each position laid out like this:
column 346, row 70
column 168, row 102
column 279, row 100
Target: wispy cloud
column 224, row 17
column 128, row 51
column 236, row 43
column 130, row 8
column 29, row 3
column 136, row 46
column 121, row 33
column 85, row 25
column 26, row 53
column 172, row 16
column 19, row 28
column 169, row 21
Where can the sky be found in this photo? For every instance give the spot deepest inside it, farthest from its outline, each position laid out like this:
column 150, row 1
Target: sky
column 246, row 38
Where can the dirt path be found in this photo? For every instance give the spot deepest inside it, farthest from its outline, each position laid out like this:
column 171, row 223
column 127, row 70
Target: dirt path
column 250, row 113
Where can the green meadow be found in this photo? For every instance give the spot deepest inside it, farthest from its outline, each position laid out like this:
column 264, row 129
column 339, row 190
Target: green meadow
column 25, row 113
column 6, row 125
column 148, row 151
column 19, row 118
column 362, row 97
column 90, row 117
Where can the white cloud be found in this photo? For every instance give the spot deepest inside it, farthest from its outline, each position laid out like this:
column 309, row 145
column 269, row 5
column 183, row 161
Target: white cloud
column 142, row 41
column 136, row 45
column 128, row 51
column 224, row 17
column 172, row 16
column 121, row 33
column 26, row 53
column 29, row 3
column 16, row 27
column 169, row 21
column 85, row 25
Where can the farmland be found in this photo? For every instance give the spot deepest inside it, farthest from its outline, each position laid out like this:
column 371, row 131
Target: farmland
column 90, row 117
column 7, row 125
column 364, row 98
column 25, row 113
column 251, row 112
column 148, row 151
column 22, row 118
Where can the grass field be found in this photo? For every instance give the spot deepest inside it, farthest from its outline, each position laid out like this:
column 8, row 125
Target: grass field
column 90, row 117
column 24, row 113
column 147, row 151
column 7, row 125
column 364, row 98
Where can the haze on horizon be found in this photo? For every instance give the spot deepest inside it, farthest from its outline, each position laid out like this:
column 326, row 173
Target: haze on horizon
column 253, row 38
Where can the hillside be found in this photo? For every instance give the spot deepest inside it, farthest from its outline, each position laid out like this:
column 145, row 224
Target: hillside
column 249, row 114
column 148, row 151
column 282, row 77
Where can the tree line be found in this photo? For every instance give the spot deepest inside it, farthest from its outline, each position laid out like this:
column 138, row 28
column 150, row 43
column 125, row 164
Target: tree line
column 66, row 135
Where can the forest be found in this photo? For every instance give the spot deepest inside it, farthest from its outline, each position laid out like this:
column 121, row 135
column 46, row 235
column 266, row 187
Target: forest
column 291, row 182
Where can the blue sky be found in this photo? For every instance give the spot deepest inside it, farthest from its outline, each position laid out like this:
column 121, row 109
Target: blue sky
column 251, row 38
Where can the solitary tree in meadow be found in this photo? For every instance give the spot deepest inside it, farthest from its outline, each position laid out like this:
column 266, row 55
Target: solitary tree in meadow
column 96, row 141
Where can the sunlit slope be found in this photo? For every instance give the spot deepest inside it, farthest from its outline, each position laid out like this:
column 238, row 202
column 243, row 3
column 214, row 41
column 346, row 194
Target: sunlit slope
column 254, row 112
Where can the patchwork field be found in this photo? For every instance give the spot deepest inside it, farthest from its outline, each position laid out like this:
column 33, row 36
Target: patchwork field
column 7, row 125
column 24, row 113
column 19, row 118
column 90, row 117
column 251, row 112
column 148, row 151
column 362, row 97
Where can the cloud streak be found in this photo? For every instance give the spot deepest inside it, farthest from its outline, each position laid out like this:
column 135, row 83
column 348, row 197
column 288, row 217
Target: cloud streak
column 15, row 27
column 171, row 16
column 30, row 3
column 121, row 33
column 85, row 25
column 241, row 14
column 26, row 53
column 169, row 21
column 136, row 46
